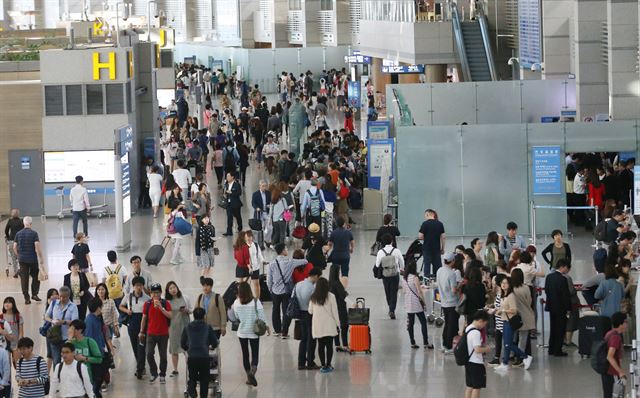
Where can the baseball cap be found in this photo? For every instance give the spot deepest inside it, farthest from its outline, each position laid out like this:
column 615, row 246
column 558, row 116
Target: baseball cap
column 156, row 287
column 448, row 257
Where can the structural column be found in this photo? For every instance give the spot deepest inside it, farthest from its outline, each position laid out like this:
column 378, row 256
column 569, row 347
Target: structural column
column 624, row 89
column 435, row 73
column 556, row 46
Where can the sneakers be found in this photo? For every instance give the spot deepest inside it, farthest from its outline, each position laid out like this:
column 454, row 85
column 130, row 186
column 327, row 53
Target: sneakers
column 284, row 336
column 392, row 315
column 448, row 351
column 163, row 380
column 326, row 369
column 313, row 366
column 495, row 361
column 527, row 362
column 152, row 379
column 174, row 262
column 518, row 363
column 251, row 379
column 173, row 374
column 502, row 368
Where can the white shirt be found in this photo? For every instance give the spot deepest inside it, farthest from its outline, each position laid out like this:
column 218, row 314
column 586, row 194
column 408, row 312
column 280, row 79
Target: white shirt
column 529, row 271
column 70, row 384
column 255, row 255
column 579, row 185
column 112, row 267
column 155, row 182
column 183, row 178
column 394, row 252
column 474, row 339
column 79, row 198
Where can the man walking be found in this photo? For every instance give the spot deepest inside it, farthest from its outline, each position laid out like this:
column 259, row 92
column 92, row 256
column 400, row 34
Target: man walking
column 280, row 285
column 433, row 242
column 70, row 378
column 197, row 339
column 232, row 193
column 214, row 308
column 79, row 198
column 29, row 252
column 615, row 349
column 14, row 225
column 558, row 305
column 156, row 315
column 132, row 305
column 447, row 286
column 261, row 201
column 137, row 271
column 307, row 346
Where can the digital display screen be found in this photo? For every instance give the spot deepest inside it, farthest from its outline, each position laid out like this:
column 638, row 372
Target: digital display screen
column 403, row 69
column 357, row 59
column 93, row 166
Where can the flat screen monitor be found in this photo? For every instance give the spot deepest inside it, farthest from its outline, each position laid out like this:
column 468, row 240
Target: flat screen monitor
column 93, row 166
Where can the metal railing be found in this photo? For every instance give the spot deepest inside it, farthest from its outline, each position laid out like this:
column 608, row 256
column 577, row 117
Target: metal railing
column 486, row 39
column 457, row 33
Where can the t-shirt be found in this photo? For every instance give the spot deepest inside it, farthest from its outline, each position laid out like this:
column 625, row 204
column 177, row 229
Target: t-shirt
column 182, row 177
column 474, row 339
column 446, row 281
column 26, row 240
column 112, row 268
column 614, row 340
column 29, row 369
column 341, row 239
column 9, row 322
column 80, row 251
column 157, row 323
column 432, row 229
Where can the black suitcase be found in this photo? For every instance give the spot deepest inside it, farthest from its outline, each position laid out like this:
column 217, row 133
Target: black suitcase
column 156, row 252
column 265, row 295
column 591, row 328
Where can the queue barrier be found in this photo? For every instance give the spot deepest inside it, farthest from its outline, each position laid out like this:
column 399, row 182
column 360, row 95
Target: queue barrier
column 534, row 207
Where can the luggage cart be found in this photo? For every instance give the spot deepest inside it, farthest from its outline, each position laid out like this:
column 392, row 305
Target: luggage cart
column 102, row 209
column 215, row 379
column 435, row 317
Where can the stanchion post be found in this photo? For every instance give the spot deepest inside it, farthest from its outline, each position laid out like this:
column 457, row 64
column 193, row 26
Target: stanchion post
column 542, row 342
column 595, row 224
column 533, row 223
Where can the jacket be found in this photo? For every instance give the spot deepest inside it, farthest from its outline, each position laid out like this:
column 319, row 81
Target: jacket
column 505, row 247
column 277, row 281
column 13, row 226
column 196, row 339
column 233, row 198
column 84, row 287
column 326, row 320
column 610, row 291
column 256, row 201
column 556, row 288
column 216, row 316
column 522, row 297
column 549, row 250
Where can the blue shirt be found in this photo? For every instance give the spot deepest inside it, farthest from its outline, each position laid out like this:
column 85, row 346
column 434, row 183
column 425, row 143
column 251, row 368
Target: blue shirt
column 56, row 311
column 206, row 300
column 5, row 368
column 341, row 239
column 94, row 330
column 303, row 292
column 610, row 291
column 26, row 240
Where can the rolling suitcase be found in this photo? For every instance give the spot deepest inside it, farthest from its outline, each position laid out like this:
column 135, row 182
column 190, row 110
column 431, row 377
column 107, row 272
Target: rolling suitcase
column 265, row 295
column 359, row 339
column 591, row 328
column 156, row 252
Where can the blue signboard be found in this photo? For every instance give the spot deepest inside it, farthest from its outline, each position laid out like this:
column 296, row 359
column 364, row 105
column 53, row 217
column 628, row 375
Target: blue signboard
column 380, row 161
column 378, row 130
column 354, row 94
column 150, row 148
column 624, row 156
column 530, row 36
column 124, row 148
column 357, row 59
column 547, row 172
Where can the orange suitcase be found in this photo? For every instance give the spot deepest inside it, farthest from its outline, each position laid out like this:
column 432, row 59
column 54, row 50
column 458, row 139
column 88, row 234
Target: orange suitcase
column 359, row 339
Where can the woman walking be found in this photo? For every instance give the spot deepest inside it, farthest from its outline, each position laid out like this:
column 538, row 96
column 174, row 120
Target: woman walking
column 79, row 285
column 109, row 311
column 242, row 256
column 325, row 322
column 180, row 310
column 255, row 263
column 247, row 310
column 205, row 247
column 155, row 189
column 217, row 163
column 278, row 216
column 414, row 304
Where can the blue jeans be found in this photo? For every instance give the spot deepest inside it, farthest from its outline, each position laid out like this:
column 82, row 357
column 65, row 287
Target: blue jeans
column 55, row 350
column 508, row 337
column 77, row 216
column 431, row 259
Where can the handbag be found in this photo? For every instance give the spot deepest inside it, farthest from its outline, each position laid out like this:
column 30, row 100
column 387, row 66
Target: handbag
column 171, row 228
column 375, row 248
column 377, row 272
column 235, row 322
column 259, row 326
column 299, row 232
column 515, row 322
column 54, row 333
column 360, row 314
column 461, row 304
column 182, row 226
column 255, row 224
column 297, row 330
column 44, row 328
column 293, row 309
column 216, row 251
column 92, row 277
column 618, row 389
column 222, row 203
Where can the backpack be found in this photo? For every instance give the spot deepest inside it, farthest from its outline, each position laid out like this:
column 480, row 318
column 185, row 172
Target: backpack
column 316, row 205
column 599, row 352
column 78, row 369
column 47, row 384
column 461, row 350
column 388, row 264
column 163, row 303
column 230, row 161
column 600, row 233
column 114, row 283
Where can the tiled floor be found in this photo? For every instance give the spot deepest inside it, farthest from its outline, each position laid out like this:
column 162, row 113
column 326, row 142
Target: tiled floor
column 392, row 370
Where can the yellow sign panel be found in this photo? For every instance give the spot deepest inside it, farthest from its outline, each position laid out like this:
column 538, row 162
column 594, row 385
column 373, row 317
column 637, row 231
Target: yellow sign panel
column 163, row 38
column 109, row 65
column 130, row 56
column 98, row 26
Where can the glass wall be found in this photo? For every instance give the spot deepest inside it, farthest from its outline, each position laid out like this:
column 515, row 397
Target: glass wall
column 389, row 10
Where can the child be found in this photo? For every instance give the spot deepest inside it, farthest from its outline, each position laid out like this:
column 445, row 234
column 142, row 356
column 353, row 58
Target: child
column 474, row 371
column 81, row 252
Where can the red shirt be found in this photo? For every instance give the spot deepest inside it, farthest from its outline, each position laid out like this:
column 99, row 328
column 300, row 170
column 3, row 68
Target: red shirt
column 242, row 256
column 596, row 194
column 614, row 340
column 301, row 273
column 157, row 323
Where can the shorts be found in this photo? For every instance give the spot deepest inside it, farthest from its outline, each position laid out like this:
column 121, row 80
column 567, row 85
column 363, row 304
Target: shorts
column 206, row 259
column 475, row 375
column 255, row 275
column 242, row 272
column 344, row 265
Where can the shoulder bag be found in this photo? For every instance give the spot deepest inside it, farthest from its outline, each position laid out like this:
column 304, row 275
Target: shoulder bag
column 259, row 326
column 288, row 285
column 293, row 309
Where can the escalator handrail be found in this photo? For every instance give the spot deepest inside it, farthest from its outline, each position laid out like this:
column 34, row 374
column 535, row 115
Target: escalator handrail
column 457, row 32
column 484, row 30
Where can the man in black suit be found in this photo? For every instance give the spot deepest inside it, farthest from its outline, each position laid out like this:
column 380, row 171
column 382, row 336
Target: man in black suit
column 556, row 287
column 232, row 192
column 260, row 201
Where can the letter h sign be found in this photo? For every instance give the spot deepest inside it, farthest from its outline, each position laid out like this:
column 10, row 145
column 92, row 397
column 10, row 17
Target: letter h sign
column 110, row 65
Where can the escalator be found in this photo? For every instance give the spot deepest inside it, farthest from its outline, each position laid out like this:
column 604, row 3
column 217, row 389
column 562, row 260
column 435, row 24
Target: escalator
column 474, row 48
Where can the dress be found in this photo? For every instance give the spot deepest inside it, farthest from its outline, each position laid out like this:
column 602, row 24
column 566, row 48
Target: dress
column 179, row 321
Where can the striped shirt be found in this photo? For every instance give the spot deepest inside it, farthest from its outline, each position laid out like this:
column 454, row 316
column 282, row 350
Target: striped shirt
column 29, row 369
column 498, row 318
column 246, row 314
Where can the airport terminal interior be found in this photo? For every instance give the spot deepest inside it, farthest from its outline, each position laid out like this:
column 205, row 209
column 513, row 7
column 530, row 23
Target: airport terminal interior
column 439, row 198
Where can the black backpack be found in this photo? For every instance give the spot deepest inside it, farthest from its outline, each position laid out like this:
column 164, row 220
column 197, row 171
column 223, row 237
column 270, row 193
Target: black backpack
column 600, row 233
column 47, row 384
column 461, row 350
column 599, row 352
column 78, row 369
column 230, row 161
column 230, row 295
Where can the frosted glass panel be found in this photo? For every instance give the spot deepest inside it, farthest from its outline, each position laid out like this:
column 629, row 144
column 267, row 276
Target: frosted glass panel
column 546, row 98
column 428, row 164
column 453, row 103
column 499, row 98
column 607, row 137
column 495, row 186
